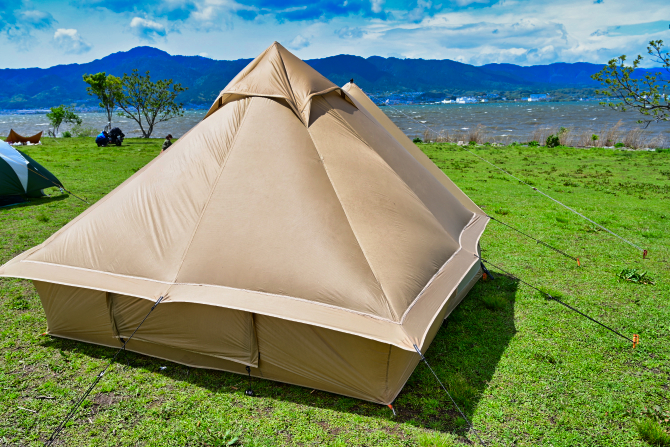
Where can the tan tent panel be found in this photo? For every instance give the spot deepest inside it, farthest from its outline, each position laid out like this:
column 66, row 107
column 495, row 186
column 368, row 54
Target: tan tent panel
column 14, row 138
column 295, row 230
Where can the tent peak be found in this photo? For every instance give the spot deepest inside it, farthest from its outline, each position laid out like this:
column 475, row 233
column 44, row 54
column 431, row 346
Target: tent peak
column 277, row 73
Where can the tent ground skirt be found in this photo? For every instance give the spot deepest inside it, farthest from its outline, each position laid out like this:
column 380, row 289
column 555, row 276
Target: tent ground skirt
column 230, row 340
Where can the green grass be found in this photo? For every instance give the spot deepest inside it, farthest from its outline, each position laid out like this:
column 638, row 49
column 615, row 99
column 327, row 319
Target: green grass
column 525, row 370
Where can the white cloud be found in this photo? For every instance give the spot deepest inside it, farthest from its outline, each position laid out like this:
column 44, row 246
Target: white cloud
column 147, row 29
column 376, row 5
column 203, row 54
column 36, row 19
column 350, row 33
column 18, row 25
column 417, row 14
column 300, row 42
column 538, row 32
column 70, row 41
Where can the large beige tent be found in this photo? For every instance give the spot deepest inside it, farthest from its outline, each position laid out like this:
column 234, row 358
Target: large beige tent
column 295, row 230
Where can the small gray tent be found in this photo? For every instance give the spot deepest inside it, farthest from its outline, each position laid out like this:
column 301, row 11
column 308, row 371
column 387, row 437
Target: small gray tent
column 21, row 176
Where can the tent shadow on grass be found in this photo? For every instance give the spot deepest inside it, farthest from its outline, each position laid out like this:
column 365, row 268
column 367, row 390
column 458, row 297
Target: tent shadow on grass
column 37, row 201
column 464, row 354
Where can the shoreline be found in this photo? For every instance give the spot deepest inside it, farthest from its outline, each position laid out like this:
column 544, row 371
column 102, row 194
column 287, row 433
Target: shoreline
column 495, row 122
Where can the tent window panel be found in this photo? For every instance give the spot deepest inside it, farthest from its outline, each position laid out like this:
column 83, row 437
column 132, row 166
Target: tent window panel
column 209, row 330
column 76, row 313
column 327, row 359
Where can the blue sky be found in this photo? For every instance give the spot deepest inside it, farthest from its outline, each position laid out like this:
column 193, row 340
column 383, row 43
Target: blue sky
column 526, row 32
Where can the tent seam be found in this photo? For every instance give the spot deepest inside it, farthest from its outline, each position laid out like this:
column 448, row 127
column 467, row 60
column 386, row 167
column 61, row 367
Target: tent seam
column 211, row 192
column 170, row 284
column 393, row 170
column 341, row 119
column 477, row 256
column 293, row 102
column 371, row 117
column 430, row 281
column 259, row 57
column 316, row 303
column 388, row 365
column 339, row 200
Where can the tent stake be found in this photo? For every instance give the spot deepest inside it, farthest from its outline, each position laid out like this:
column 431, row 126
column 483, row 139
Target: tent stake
column 249, row 392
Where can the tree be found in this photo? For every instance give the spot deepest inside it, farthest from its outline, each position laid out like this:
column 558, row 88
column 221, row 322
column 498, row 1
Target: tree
column 649, row 95
column 60, row 115
column 107, row 88
column 149, row 103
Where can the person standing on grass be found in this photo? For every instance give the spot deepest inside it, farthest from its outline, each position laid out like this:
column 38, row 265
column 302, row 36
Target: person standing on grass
column 168, row 142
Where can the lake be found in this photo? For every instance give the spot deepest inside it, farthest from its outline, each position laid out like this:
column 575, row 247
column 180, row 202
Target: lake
column 499, row 122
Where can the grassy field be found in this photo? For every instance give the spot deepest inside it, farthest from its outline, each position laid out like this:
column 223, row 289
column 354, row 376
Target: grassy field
column 526, row 370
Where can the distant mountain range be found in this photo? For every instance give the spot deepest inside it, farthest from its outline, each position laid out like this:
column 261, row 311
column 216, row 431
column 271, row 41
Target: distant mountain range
column 45, row 87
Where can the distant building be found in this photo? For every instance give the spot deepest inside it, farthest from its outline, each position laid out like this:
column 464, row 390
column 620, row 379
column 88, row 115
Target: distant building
column 538, row 97
column 466, row 100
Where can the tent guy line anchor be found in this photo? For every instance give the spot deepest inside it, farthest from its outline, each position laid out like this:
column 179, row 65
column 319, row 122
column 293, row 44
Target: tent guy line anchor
column 72, row 412
column 249, row 392
column 452, row 399
column 635, row 340
column 644, row 252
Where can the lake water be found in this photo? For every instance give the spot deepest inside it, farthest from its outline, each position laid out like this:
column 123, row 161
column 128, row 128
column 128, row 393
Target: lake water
column 501, row 122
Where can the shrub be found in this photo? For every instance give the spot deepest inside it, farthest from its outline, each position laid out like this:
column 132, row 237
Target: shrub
column 60, row 115
column 476, row 135
column 562, row 135
column 619, row 144
column 472, row 143
column 553, row 141
column 417, row 140
column 635, row 139
column 66, row 134
column 83, row 131
column 611, row 134
column 594, row 138
column 540, row 133
column 533, row 143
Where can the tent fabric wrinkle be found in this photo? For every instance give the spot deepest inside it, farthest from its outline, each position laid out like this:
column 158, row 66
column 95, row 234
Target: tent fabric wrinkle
column 295, row 230
column 277, row 73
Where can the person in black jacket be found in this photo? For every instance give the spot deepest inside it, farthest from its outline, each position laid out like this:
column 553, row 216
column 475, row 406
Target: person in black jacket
column 168, row 142
column 116, row 136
